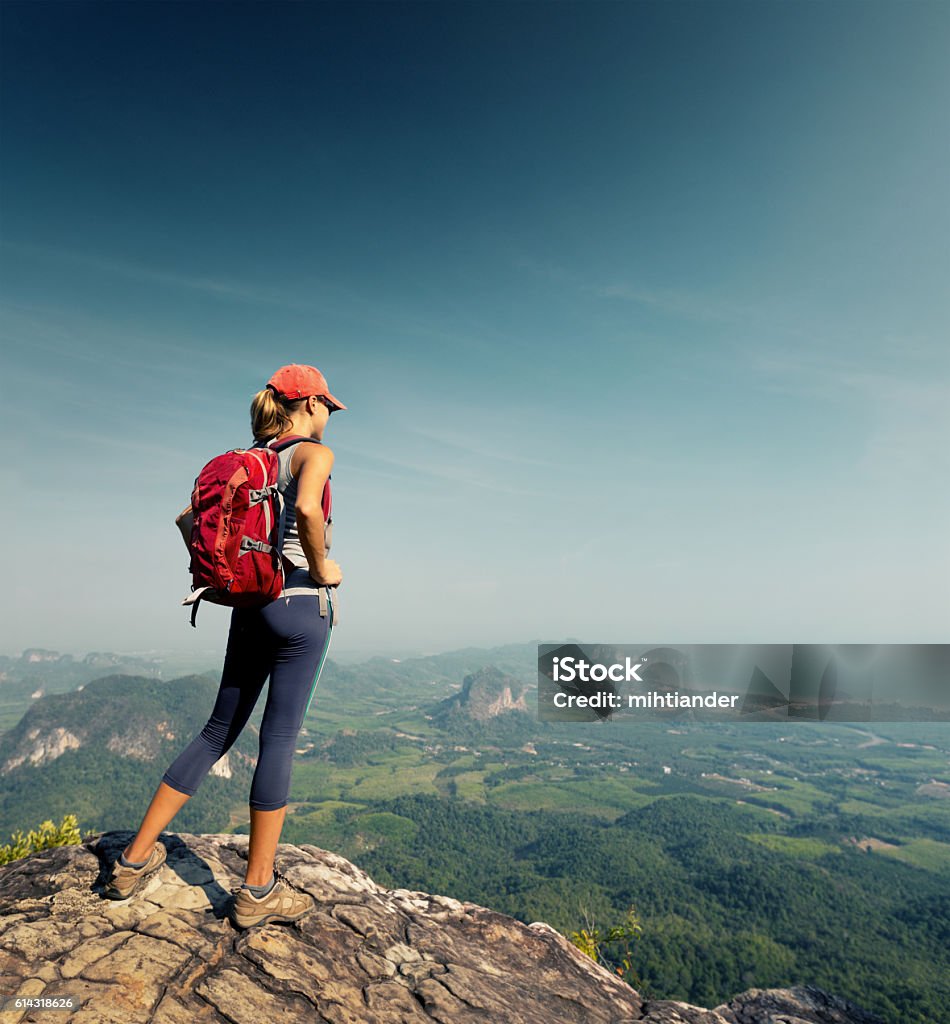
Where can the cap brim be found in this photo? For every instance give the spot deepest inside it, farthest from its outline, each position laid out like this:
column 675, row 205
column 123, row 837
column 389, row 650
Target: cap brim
column 337, row 403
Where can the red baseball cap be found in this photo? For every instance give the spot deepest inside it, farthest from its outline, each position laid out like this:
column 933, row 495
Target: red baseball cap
column 295, row 381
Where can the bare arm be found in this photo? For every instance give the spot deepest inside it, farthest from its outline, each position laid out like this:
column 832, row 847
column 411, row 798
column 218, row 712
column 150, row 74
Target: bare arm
column 315, row 464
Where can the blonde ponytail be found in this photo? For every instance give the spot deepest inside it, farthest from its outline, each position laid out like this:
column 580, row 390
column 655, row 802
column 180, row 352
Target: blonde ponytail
column 270, row 414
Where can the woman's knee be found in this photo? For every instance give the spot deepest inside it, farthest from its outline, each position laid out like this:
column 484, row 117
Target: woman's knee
column 219, row 735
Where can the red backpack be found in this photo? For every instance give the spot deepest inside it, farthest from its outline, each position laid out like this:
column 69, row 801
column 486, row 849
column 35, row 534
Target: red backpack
column 236, row 536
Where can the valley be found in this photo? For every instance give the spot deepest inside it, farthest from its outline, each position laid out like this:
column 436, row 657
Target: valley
column 747, row 849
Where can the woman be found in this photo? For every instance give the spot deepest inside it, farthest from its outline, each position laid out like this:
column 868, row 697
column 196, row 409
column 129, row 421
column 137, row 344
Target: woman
column 287, row 640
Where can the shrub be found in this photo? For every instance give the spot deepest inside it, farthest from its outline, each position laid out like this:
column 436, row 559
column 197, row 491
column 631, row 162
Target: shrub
column 612, row 949
column 45, row 837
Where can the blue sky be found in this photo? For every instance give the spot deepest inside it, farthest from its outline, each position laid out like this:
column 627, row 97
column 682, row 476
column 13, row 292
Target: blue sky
column 639, row 309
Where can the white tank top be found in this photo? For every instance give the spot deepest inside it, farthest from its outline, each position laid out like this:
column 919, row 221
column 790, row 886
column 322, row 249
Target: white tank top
column 298, row 581
column 291, row 547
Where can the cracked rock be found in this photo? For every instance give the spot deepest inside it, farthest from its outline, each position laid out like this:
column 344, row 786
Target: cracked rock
column 364, row 955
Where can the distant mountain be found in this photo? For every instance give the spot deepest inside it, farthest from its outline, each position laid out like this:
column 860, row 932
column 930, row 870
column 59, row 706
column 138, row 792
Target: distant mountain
column 97, row 747
column 39, row 672
column 131, row 716
column 517, row 660
column 37, row 664
column 490, row 708
column 485, row 694
column 100, row 752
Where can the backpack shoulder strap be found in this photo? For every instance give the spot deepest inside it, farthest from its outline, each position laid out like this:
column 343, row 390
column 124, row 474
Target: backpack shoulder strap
column 288, row 441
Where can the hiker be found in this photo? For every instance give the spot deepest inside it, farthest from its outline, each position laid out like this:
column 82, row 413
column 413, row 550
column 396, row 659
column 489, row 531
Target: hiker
column 286, row 639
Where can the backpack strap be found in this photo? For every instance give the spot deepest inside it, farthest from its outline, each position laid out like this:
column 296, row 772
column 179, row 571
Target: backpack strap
column 288, row 441
column 325, row 598
column 194, row 599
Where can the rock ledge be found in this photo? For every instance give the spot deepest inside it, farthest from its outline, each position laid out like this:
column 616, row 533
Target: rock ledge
column 365, row 955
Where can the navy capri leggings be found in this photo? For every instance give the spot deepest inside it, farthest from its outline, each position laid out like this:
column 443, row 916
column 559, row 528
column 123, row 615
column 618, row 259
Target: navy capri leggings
column 288, row 641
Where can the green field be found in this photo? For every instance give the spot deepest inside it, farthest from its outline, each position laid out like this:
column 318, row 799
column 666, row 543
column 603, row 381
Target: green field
column 744, row 848
column 795, row 846
column 927, row 854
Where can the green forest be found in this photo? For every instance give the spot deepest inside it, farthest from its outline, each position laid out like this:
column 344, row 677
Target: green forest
column 752, row 856
column 721, row 912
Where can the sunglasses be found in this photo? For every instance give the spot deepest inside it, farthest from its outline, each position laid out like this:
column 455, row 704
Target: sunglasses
column 325, row 401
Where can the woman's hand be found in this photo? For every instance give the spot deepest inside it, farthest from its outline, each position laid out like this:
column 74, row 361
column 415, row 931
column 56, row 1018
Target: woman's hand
column 332, row 576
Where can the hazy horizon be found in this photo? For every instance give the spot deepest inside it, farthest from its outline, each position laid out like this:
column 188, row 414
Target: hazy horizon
column 214, row 654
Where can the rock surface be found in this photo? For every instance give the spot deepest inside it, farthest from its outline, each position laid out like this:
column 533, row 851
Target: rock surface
column 364, row 955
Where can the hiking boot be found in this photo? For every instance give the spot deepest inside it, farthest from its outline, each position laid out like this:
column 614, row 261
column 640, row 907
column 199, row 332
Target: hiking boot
column 125, row 880
column 281, row 904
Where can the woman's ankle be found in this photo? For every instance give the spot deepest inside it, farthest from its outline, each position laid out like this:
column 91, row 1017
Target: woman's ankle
column 259, row 878
column 126, row 855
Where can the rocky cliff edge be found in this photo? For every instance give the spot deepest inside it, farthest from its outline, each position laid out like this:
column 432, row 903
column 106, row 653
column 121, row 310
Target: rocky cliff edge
column 365, row 955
